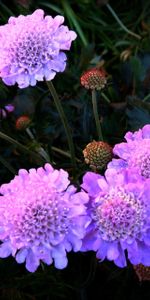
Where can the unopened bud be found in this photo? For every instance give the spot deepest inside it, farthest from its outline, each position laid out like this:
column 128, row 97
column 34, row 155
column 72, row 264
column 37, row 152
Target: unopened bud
column 97, row 155
column 22, row 122
column 94, row 79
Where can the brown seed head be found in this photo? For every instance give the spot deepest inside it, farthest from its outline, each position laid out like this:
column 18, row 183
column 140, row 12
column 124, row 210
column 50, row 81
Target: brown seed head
column 97, row 155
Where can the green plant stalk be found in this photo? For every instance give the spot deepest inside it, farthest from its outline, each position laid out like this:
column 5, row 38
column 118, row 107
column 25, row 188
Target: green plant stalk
column 96, row 116
column 64, row 121
column 106, row 98
column 71, row 15
column 39, row 149
column 64, row 153
column 147, row 97
column 121, row 24
column 19, row 145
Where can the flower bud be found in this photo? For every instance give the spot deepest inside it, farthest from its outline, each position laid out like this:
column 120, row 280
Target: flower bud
column 97, row 155
column 94, row 79
column 22, row 122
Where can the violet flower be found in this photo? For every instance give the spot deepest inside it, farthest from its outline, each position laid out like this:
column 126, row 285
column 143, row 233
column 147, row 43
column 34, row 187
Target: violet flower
column 134, row 153
column 41, row 217
column 119, row 209
column 31, row 48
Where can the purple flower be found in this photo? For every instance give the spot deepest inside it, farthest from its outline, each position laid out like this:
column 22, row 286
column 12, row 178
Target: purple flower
column 31, row 48
column 135, row 153
column 120, row 217
column 7, row 109
column 41, row 217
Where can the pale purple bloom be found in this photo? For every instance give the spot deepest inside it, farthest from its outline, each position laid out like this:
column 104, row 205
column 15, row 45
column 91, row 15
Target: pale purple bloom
column 134, row 153
column 41, row 217
column 31, row 48
column 119, row 207
column 7, row 109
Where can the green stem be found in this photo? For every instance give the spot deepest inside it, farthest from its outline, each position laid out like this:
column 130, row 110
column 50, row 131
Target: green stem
column 19, row 145
column 147, row 97
column 72, row 17
column 105, row 97
column 62, row 152
column 39, row 149
column 96, row 116
column 121, row 24
column 64, row 121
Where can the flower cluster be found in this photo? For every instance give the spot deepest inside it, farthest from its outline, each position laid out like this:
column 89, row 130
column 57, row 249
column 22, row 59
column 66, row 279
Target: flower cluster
column 119, row 204
column 41, row 217
column 31, row 48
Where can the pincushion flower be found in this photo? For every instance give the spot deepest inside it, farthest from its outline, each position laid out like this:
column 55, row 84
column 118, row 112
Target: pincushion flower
column 119, row 208
column 41, row 217
column 31, row 48
column 134, row 153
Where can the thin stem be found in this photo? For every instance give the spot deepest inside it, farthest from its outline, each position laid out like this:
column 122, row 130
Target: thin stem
column 19, row 145
column 62, row 152
column 121, row 24
column 38, row 148
column 96, row 116
column 72, row 17
column 105, row 97
column 147, row 97
column 64, row 121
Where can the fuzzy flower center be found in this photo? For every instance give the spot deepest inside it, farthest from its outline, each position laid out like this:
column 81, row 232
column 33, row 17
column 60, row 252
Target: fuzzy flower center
column 32, row 50
column 121, row 215
column 41, row 222
column 141, row 157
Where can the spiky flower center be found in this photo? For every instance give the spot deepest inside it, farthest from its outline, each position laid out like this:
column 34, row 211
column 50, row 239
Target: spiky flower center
column 41, row 221
column 31, row 50
column 119, row 216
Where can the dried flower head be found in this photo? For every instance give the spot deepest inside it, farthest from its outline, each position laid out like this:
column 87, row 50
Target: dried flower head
column 119, row 208
column 94, row 79
column 22, row 122
column 142, row 272
column 31, row 48
column 97, row 155
column 135, row 153
column 41, row 217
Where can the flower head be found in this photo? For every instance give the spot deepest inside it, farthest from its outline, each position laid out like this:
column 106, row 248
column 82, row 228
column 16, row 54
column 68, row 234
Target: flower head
column 41, row 217
column 135, row 153
column 5, row 110
column 31, row 48
column 22, row 122
column 97, row 155
column 120, row 211
column 94, row 79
